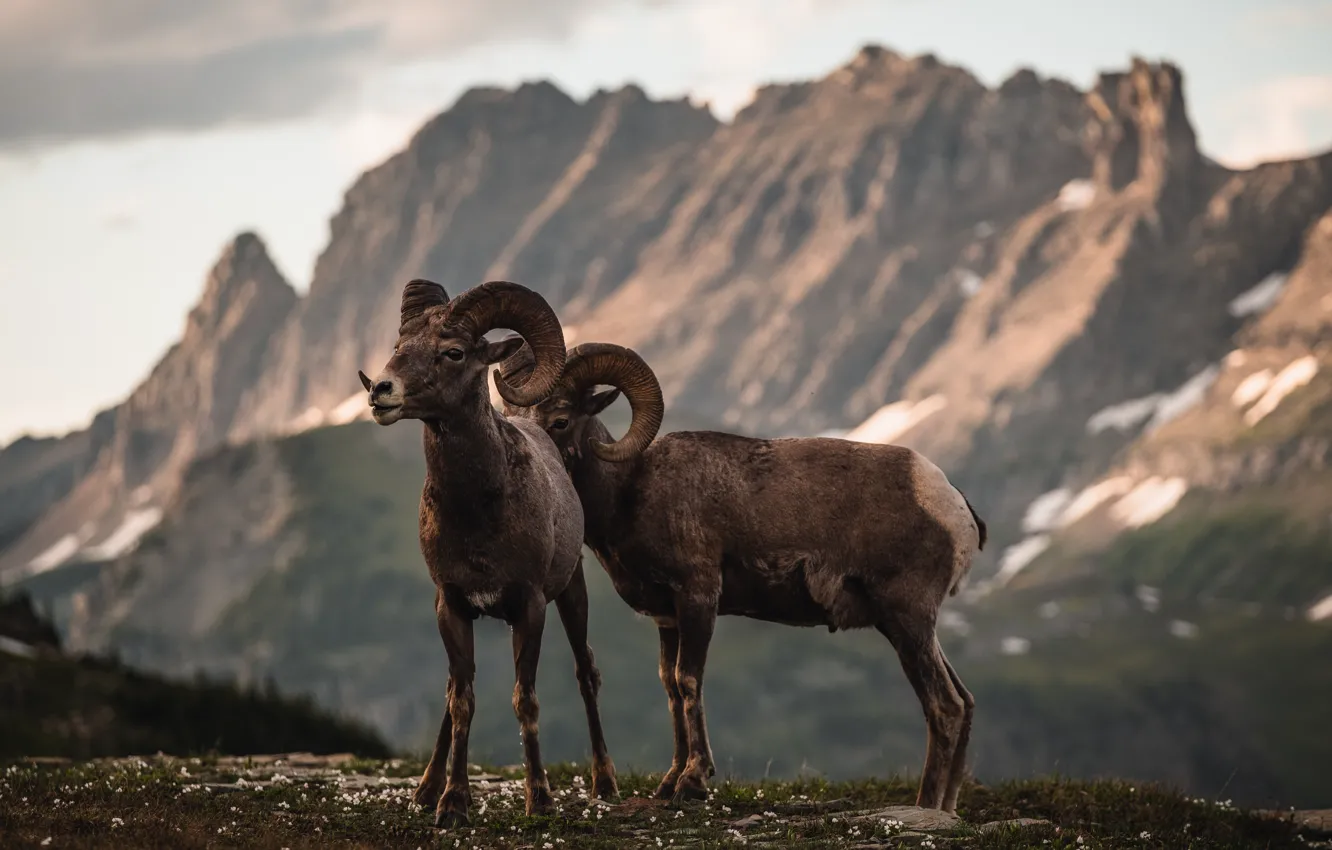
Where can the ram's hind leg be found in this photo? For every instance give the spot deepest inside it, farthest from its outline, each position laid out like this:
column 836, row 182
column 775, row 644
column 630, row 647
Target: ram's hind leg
column 572, row 605
column 912, row 635
column 959, row 767
column 696, row 619
column 669, row 638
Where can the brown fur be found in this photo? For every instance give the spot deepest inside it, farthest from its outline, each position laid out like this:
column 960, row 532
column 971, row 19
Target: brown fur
column 500, row 530
column 806, row 532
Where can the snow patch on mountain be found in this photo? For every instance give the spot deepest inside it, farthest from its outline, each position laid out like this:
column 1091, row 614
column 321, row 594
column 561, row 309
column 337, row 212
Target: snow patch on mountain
column 893, row 420
column 1261, row 297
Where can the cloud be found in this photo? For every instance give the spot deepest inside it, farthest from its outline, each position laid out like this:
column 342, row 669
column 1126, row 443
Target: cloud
column 76, row 69
column 1283, row 118
column 1282, row 17
column 739, row 39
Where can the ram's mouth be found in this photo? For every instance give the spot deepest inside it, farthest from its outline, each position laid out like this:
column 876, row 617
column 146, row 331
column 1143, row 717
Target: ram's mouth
column 386, row 414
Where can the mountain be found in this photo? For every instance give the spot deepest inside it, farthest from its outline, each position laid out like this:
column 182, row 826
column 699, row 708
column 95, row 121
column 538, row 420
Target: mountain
column 894, row 239
column 99, row 490
column 529, row 185
column 1244, row 445
column 1116, row 347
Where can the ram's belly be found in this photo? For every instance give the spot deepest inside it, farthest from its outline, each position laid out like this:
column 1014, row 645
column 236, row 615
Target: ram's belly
column 638, row 591
column 775, row 590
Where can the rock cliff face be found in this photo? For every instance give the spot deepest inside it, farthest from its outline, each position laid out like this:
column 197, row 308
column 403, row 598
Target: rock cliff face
column 132, row 458
column 527, row 185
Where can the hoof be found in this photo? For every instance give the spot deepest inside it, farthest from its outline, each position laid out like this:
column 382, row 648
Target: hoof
column 540, row 802
column 452, row 810
column 449, row 819
column 690, row 787
column 666, row 790
column 605, row 788
column 426, row 795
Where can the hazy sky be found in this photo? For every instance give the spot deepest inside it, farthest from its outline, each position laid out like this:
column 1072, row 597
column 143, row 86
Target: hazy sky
column 138, row 136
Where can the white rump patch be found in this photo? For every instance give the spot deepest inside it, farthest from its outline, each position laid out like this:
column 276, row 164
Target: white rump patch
column 1287, row 381
column 1149, row 501
column 1183, row 629
column 1077, row 195
column 1017, row 557
column 893, row 420
column 1321, row 610
column 1045, row 510
column 1261, row 297
column 1014, row 646
column 134, row 526
column 58, row 553
column 1049, row 610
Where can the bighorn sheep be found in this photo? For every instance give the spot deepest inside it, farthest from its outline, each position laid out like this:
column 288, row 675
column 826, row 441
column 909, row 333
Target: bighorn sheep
column 800, row 531
column 501, row 526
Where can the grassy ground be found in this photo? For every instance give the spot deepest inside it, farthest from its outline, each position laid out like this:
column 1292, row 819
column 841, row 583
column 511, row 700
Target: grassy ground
column 312, row 802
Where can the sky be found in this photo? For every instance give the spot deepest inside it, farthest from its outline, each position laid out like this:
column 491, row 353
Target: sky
column 137, row 137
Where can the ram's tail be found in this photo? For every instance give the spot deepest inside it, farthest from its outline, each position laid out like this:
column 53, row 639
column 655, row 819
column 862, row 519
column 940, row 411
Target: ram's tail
column 980, row 523
column 964, row 564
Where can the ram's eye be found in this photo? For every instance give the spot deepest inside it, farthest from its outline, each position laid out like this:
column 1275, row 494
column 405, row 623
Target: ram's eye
column 560, row 424
column 454, row 354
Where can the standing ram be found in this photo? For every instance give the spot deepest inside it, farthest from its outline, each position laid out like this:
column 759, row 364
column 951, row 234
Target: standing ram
column 806, row 532
column 501, row 525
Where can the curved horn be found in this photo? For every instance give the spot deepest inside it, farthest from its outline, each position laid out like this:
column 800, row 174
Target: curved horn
column 595, row 363
column 517, row 368
column 503, row 304
column 418, row 296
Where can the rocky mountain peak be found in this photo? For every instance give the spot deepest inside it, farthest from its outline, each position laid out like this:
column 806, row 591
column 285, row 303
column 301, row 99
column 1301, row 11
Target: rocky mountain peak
column 243, row 278
column 1141, row 132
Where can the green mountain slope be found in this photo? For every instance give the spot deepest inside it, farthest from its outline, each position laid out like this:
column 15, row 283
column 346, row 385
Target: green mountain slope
column 52, row 704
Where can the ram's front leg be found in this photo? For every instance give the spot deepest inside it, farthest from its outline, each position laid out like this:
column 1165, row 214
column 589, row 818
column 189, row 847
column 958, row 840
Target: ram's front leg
column 527, row 631
column 436, row 772
column 456, row 629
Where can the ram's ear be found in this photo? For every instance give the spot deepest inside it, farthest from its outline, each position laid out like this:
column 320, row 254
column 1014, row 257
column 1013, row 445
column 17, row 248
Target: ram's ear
column 600, row 401
column 494, row 352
